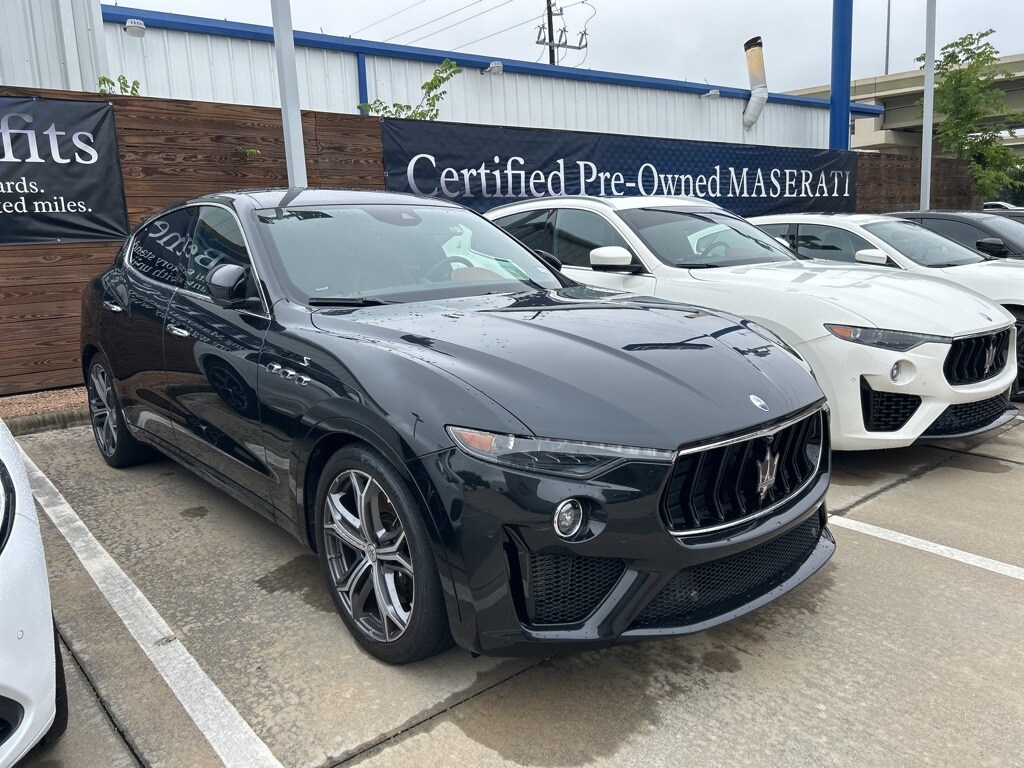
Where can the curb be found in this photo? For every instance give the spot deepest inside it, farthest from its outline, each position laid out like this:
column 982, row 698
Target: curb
column 44, row 422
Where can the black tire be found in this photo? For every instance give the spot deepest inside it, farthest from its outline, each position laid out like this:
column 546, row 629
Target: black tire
column 426, row 631
column 60, row 720
column 124, row 450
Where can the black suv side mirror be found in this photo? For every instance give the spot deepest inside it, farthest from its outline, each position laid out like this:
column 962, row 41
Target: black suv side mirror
column 226, row 284
column 992, row 246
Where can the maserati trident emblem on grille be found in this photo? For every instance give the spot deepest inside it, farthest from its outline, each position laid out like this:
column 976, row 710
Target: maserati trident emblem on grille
column 990, row 358
column 767, row 468
column 759, row 403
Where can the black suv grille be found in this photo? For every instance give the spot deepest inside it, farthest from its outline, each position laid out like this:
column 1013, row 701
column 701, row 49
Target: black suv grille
column 977, row 358
column 725, row 484
column 886, row 411
column 969, row 417
column 564, row 589
column 711, row 589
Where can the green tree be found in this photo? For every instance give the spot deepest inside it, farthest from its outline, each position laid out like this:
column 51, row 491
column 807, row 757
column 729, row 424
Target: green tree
column 429, row 106
column 971, row 112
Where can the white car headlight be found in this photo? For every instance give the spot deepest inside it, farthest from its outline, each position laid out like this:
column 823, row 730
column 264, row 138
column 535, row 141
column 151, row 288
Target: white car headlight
column 559, row 457
column 896, row 341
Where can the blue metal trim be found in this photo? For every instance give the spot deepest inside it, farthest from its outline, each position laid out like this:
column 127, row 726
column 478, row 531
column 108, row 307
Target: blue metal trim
column 839, row 95
column 364, row 91
column 173, row 21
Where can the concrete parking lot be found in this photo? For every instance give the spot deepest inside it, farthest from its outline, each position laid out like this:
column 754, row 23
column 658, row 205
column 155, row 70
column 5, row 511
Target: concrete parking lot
column 905, row 650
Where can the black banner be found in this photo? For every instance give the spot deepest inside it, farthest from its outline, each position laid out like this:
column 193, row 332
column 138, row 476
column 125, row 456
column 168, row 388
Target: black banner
column 483, row 166
column 60, row 177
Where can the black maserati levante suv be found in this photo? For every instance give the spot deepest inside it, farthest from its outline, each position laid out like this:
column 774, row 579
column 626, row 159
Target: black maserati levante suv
column 476, row 446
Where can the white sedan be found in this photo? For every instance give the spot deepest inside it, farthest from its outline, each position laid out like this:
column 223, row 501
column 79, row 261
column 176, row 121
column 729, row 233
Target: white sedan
column 899, row 356
column 886, row 241
column 33, row 698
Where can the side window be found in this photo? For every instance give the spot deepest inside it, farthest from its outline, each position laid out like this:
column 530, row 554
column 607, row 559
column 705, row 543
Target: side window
column 534, row 228
column 161, row 248
column 961, row 231
column 820, row 242
column 776, row 230
column 217, row 239
column 577, row 233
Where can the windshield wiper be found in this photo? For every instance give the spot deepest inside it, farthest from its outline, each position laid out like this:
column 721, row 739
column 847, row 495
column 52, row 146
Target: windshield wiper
column 697, row 265
column 346, row 301
column 948, row 264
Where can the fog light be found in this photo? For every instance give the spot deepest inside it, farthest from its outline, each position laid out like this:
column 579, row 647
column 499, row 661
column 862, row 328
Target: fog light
column 894, row 372
column 568, row 518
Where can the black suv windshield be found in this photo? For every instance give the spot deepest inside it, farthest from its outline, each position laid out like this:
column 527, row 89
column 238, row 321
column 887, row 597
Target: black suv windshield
column 682, row 238
column 927, row 248
column 382, row 253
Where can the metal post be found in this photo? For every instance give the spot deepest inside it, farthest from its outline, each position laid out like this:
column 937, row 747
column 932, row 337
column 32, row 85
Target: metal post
column 839, row 99
column 888, row 28
column 929, row 107
column 288, row 82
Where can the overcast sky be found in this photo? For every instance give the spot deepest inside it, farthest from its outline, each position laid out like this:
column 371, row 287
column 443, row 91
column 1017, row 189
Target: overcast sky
column 681, row 39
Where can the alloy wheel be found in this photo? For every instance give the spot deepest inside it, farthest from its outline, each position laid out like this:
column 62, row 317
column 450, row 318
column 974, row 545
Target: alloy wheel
column 102, row 409
column 368, row 555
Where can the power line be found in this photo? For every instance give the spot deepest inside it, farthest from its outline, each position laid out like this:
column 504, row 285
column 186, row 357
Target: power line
column 451, row 26
column 378, row 21
column 494, row 34
column 427, row 24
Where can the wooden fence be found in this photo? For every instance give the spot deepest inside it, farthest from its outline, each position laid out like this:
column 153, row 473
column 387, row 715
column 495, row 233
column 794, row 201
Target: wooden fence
column 170, row 150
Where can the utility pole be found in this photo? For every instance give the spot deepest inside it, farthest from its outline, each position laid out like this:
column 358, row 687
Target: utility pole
column 551, row 31
column 888, row 27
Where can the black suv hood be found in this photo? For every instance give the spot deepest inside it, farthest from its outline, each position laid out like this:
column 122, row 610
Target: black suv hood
column 586, row 364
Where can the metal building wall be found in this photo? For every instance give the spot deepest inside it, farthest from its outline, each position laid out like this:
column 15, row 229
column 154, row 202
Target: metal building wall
column 51, row 44
column 547, row 102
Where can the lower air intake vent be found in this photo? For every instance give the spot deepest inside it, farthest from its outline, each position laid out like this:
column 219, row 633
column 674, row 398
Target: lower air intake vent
column 886, row 411
column 705, row 591
column 969, row 417
column 565, row 589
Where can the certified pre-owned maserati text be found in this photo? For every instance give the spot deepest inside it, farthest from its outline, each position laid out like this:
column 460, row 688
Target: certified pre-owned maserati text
column 477, row 447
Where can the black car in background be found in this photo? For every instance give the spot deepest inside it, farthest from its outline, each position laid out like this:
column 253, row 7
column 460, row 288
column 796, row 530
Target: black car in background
column 476, row 446
column 989, row 232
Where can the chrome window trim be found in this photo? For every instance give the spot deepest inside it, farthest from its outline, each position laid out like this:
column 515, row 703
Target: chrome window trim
column 265, row 315
column 818, row 410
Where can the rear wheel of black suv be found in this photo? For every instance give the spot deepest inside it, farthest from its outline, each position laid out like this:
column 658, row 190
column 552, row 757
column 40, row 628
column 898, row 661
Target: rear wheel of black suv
column 377, row 560
column 117, row 447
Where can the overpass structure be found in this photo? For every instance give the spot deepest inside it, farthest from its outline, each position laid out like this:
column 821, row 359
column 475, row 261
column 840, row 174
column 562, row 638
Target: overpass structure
column 898, row 129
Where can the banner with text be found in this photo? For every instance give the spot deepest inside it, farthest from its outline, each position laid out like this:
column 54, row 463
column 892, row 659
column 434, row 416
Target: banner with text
column 60, row 177
column 483, row 166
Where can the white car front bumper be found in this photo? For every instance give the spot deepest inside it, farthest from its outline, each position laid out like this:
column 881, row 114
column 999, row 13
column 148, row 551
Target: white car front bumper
column 844, row 368
column 27, row 653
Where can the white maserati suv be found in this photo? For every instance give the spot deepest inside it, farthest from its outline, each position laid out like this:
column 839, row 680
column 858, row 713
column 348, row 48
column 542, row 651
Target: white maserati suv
column 891, row 242
column 33, row 698
column 899, row 356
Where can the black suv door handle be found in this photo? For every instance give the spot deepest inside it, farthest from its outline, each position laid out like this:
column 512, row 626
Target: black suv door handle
column 112, row 307
column 174, row 330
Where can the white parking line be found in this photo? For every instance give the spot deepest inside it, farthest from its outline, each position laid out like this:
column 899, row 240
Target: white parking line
column 996, row 566
column 215, row 717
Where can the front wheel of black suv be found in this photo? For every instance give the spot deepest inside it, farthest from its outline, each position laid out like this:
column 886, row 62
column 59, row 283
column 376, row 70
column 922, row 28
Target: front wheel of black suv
column 377, row 560
column 117, row 447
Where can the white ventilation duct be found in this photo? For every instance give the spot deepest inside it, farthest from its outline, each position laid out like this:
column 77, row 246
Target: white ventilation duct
column 758, row 84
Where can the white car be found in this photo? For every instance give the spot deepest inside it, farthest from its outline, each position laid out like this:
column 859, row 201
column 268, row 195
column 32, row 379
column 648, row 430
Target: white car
column 890, row 242
column 899, row 356
column 33, row 697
